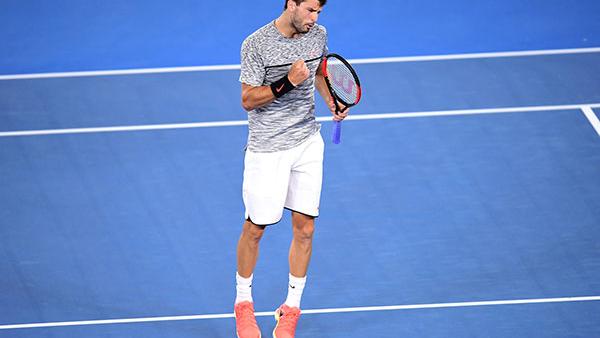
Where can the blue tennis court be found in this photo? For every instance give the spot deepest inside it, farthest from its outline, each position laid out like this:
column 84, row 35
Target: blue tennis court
column 463, row 201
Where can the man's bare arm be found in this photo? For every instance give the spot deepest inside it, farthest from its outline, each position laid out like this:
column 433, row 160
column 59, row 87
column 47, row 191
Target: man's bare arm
column 255, row 97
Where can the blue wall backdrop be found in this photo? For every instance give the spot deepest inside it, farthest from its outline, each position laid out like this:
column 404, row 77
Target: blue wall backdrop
column 70, row 35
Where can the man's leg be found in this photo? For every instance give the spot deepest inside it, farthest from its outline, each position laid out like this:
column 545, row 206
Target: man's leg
column 247, row 249
column 247, row 255
column 300, row 251
column 287, row 315
column 304, row 190
column 301, row 248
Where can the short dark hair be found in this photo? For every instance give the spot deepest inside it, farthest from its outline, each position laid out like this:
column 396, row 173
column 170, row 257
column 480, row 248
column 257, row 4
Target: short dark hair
column 321, row 2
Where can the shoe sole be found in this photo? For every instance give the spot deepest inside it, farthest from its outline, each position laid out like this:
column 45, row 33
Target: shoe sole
column 277, row 319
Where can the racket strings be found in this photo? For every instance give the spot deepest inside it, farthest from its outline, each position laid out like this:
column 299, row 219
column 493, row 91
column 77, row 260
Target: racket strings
column 342, row 81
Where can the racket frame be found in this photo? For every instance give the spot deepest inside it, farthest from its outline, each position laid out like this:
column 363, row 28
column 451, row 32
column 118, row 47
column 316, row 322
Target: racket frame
column 337, row 125
column 335, row 97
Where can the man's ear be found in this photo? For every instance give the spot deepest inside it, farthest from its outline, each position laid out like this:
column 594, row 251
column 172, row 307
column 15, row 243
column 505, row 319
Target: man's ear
column 291, row 4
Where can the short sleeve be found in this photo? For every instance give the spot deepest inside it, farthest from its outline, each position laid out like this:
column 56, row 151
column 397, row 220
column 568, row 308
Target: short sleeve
column 325, row 48
column 252, row 66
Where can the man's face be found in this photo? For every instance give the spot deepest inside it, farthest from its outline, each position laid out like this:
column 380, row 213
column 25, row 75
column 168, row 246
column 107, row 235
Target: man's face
column 304, row 15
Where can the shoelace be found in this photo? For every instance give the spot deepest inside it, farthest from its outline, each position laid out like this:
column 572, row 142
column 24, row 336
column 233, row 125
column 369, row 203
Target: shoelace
column 289, row 319
column 247, row 316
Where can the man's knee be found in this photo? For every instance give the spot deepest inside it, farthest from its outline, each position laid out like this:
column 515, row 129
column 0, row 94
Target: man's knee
column 304, row 226
column 252, row 231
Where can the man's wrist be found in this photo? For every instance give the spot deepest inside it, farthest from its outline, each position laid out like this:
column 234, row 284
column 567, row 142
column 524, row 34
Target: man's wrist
column 282, row 86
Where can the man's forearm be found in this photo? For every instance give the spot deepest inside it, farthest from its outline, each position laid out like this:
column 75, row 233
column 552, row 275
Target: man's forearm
column 322, row 88
column 256, row 97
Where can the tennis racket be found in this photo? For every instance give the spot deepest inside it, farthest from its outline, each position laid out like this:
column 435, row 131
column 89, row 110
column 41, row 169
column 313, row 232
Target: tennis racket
column 343, row 85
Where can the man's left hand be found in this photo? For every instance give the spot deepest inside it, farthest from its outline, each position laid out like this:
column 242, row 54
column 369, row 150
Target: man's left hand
column 337, row 116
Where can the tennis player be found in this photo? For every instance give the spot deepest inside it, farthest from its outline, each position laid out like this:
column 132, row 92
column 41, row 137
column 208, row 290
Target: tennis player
column 283, row 164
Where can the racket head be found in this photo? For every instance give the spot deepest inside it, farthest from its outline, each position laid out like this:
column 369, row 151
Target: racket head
column 341, row 79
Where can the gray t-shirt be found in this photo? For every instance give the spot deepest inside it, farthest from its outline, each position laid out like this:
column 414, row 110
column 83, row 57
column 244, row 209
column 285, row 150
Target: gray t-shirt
column 266, row 57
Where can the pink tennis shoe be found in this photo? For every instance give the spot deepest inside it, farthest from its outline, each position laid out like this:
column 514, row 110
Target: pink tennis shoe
column 245, row 322
column 287, row 319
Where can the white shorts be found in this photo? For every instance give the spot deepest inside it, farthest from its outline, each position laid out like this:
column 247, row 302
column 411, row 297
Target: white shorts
column 289, row 179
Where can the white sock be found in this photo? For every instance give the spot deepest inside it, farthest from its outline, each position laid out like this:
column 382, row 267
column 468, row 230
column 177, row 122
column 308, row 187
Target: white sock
column 295, row 289
column 244, row 288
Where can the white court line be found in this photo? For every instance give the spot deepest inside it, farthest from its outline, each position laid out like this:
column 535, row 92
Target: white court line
column 313, row 311
column 477, row 55
column 589, row 113
column 471, row 111
column 123, row 128
column 353, row 61
column 320, row 119
column 119, row 72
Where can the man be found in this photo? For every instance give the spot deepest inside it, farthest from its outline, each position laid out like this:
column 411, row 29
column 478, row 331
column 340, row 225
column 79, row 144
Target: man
column 284, row 157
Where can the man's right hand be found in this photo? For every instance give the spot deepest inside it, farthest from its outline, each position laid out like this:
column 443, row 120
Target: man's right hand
column 298, row 73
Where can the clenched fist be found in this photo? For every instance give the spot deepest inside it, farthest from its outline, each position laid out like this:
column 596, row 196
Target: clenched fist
column 298, row 73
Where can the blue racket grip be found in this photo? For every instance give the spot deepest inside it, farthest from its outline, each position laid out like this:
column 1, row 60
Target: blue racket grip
column 337, row 132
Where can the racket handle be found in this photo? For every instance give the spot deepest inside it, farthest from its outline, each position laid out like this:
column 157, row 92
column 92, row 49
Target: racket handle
column 337, row 132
